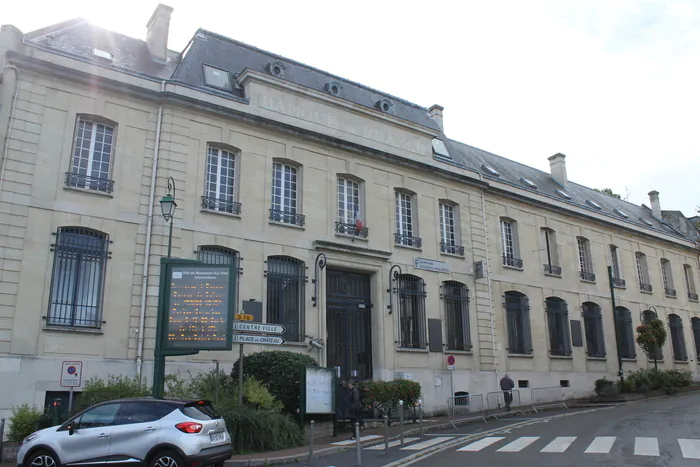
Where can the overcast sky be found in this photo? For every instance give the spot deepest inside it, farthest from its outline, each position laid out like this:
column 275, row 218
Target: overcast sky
column 613, row 84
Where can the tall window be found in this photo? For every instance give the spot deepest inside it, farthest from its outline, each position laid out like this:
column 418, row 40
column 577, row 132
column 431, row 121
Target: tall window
column 675, row 325
column 217, row 255
column 643, row 272
column 558, row 321
column 551, row 255
column 286, row 300
column 593, row 324
column 695, row 325
column 449, row 229
column 518, row 317
column 647, row 316
column 404, row 221
column 618, row 281
column 411, row 294
column 625, row 332
column 220, row 185
column 77, row 282
column 510, row 244
column 690, row 282
column 584, row 259
column 667, row 276
column 349, row 209
column 92, row 156
column 455, row 295
column 285, row 204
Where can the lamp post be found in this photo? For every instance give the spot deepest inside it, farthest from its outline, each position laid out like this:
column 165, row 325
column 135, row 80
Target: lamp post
column 167, row 207
column 621, row 373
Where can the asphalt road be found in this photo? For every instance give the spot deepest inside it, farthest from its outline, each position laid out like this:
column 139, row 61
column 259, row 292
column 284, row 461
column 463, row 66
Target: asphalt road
column 658, row 432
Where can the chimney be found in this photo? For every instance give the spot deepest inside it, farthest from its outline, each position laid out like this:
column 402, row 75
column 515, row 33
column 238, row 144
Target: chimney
column 435, row 113
column 157, row 36
column 655, row 205
column 557, row 166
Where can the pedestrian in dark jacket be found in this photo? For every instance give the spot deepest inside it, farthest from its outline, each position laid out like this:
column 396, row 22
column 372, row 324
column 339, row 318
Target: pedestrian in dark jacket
column 353, row 406
column 507, row 386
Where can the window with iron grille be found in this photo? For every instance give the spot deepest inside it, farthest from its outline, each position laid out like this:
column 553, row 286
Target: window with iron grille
column 667, row 276
column 558, row 323
column 675, row 325
column 412, row 326
column 77, row 282
column 625, row 332
column 455, row 296
column 695, row 325
column 286, row 298
column 284, row 193
column 518, row 315
column 643, row 272
column 92, row 156
column 220, row 185
column 647, row 316
column 593, row 324
column 212, row 254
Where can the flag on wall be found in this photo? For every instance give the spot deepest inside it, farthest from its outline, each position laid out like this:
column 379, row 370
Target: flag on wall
column 358, row 220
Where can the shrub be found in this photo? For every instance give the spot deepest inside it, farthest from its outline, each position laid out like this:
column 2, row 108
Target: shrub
column 605, row 387
column 24, row 421
column 385, row 395
column 626, row 386
column 280, row 372
column 256, row 431
column 116, row 387
column 660, row 379
column 679, row 378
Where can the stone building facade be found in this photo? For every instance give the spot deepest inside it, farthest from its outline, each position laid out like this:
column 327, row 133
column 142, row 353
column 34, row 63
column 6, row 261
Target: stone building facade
column 460, row 252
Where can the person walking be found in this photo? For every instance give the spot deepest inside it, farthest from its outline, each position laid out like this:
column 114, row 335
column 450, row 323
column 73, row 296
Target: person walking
column 507, row 386
column 353, row 406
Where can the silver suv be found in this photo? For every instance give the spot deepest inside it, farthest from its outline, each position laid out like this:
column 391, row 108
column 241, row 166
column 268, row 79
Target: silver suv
column 133, row 432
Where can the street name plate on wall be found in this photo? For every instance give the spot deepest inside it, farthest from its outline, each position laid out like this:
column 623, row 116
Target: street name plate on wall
column 198, row 310
column 431, row 265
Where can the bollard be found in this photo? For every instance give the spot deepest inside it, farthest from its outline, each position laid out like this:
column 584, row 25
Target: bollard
column 401, row 421
column 420, row 414
column 312, row 429
column 386, row 434
column 56, row 415
column 357, row 443
column 2, row 434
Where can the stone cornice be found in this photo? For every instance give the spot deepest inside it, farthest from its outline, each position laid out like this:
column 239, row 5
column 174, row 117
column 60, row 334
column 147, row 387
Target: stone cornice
column 353, row 249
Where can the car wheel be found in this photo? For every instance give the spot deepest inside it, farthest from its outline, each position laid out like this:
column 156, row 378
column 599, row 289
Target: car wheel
column 42, row 459
column 167, row 458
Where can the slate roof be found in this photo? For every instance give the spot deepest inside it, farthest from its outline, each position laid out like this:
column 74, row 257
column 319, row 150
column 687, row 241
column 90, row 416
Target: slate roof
column 234, row 56
column 78, row 38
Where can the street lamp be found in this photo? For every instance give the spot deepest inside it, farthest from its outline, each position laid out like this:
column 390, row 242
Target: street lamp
column 167, row 207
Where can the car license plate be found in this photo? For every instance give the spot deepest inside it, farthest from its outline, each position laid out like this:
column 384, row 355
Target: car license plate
column 216, row 437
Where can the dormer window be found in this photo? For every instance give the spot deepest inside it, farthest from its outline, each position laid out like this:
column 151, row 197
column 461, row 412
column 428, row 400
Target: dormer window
column 385, row 105
column 276, row 68
column 621, row 213
column 102, row 54
column 562, row 193
column 334, row 87
column 528, row 183
column 490, row 170
column 439, row 148
column 217, row 78
column 593, row 204
column 646, row 221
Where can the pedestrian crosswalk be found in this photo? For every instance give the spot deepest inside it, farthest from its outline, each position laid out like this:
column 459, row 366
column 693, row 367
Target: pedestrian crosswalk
column 642, row 446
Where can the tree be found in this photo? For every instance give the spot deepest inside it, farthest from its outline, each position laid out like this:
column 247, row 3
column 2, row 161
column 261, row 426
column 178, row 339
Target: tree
column 651, row 336
column 609, row 192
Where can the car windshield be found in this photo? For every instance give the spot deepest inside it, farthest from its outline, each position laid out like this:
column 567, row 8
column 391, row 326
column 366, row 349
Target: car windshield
column 200, row 410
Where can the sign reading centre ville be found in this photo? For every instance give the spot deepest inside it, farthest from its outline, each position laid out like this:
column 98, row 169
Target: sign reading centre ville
column 198, row 308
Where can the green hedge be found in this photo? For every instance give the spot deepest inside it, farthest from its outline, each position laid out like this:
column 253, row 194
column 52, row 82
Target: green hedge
column 261, row 431
column 643, row 381
column 24, row 421
column 385, row 395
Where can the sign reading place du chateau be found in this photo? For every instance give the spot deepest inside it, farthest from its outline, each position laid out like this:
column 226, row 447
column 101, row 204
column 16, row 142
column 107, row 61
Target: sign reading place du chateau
column 198, row 308
column 431, row 265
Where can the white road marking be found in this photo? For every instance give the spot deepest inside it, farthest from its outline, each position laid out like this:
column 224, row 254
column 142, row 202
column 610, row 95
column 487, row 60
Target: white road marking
column 519, row 444
column 690, row 448
column 600, row 445
column 481, row 444
column 646, row 447
column 427, row 443
column 559, row 444
column 392, row 444
column 348, row 442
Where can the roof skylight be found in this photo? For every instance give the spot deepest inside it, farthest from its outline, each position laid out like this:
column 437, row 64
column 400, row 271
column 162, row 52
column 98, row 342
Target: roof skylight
column 217, row 78
column 621, row 213
column 439, row 148
column 102, row 54
column 562, row 193
column 646, row 221
column 593, row 204
column 490, row 170
column 528, row 183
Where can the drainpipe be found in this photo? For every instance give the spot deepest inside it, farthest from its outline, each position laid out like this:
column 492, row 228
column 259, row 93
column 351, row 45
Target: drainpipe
column 147, row 252
column 488, row 278
column 9, row 123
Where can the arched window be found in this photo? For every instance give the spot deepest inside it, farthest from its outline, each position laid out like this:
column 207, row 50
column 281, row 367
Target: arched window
column 593, row 324
column 212, row 254
column 518, row 316
column 675, row 325
column 558, row 321
column 77, row 281
column 286, row 300
column 695, row 325
column 411, row 293
column 625, row 332
column 455, row 295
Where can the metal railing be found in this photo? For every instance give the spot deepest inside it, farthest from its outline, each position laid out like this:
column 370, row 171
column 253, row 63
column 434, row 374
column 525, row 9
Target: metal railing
column 553, row 270
column 211, row 203
column 692, row 296
column 645, row 287
column 452, row 249
column 286, row 217
column 495, row 401
column 89, row 183
column 587, row 276
column 351, row 229
column 619, row 283
column 407, row 240
column 512, row 261
column 465, row 408
column 552, row 396
column 670, row 292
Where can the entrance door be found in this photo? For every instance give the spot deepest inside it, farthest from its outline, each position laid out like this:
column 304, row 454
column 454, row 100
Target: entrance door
column 349, row 322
